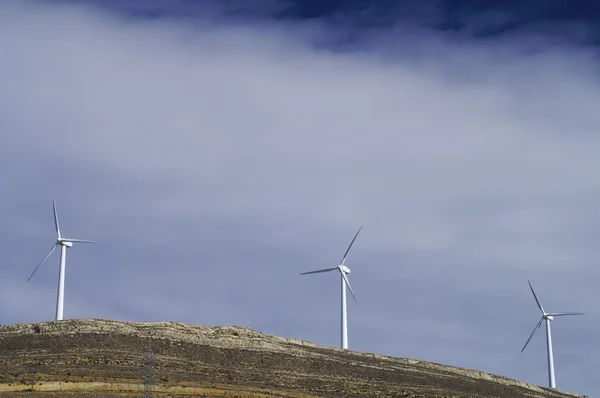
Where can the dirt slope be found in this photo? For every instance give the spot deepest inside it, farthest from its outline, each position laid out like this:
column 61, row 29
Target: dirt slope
column 102, row 358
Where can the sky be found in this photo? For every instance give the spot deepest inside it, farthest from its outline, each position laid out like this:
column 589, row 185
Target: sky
column 218, row 150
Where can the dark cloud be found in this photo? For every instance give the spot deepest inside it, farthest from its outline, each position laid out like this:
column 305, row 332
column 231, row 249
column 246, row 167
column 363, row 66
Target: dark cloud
column 566, row 21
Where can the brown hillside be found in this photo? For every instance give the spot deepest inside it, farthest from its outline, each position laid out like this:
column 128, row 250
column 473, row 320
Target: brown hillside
column 102, row 358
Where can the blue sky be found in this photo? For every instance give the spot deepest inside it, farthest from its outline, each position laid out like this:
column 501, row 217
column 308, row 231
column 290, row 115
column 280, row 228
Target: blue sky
column 217, row 151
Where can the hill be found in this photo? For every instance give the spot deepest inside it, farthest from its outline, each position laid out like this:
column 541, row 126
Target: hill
column 103, row 358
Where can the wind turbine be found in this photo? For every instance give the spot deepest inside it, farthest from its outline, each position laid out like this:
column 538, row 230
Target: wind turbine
column 345, row 282
column 64, row 243
column 547, row 316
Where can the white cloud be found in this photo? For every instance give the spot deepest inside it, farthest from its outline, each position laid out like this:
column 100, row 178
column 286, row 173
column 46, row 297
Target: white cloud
column 216, row 162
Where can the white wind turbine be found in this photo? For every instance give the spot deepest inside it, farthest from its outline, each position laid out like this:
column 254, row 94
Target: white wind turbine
column 548, row 317
column 345, row 282
column 64, row 243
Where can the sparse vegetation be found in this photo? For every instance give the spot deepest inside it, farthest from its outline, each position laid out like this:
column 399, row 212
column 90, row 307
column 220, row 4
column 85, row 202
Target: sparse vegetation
column 91, row 358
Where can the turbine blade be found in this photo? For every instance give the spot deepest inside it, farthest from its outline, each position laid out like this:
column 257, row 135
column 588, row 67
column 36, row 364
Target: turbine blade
column 80, row 241
column 565, row 313
column 348, row 284
column 349, row 247
column 535, row 329
column 56, row 219
column 536, row 298
column 43, row 260
column 319, row 271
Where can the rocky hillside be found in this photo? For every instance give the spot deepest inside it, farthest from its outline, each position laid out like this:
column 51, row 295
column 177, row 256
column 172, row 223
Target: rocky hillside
column 102, row 358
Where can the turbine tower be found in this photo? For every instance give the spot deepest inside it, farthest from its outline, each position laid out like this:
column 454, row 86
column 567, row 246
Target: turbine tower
column 64, row 243
column 345, row 282
column 548, row 317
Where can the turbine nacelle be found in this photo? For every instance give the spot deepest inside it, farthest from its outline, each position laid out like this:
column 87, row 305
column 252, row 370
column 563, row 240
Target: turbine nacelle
column 64, row 243
column 344, row 269
column 548, row 317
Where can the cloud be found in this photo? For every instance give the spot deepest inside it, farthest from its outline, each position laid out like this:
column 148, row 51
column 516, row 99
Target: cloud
column 216, row 160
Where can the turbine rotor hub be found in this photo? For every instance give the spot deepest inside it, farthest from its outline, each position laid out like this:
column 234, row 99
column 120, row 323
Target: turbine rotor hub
column 548, row 317
column 65, row 243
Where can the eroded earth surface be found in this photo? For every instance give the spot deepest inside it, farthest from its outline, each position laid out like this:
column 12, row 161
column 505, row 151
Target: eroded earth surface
column 103, row 358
